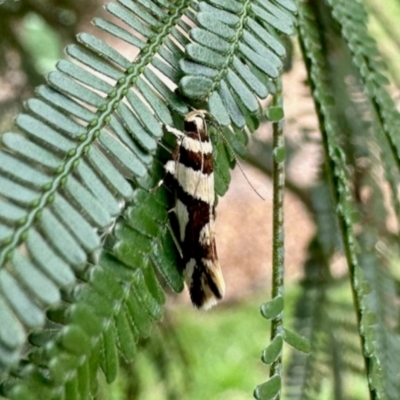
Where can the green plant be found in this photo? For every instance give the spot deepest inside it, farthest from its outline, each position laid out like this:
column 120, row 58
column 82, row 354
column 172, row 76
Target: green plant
column 83, row 236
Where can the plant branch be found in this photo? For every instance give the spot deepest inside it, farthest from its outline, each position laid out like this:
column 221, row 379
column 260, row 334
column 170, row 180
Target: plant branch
column 278, row 265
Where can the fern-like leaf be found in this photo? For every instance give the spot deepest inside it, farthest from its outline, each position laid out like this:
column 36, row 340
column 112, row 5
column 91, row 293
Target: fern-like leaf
column 338, row 175
column 64, row 174
column 80, row 233
column 235, row 55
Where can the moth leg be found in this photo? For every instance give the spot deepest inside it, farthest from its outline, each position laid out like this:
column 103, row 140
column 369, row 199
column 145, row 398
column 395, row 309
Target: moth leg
column 175, row 239
column 202, row 163
column 174, row 131
column 167, row 181
column 157, row 186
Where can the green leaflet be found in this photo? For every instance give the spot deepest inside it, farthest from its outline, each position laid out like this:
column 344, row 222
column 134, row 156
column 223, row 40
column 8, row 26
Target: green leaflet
column 85, row 56
column 109, row 355
column 62, row 240
column 49, row 261
column 279, row 154
column 231, row 106
column 218, row 110
column 210, row 40
column 205, row 56
column 127, row 335
column 255, row 84
column 74, row 340
column 195, row 86
column 98, row 189
column 275, row 114
column 221, row 168
column 139, row 318
column 81, row 229
column 192, row 68
column 272, row 308
column 10, row 165
column 234, row 5
column 22, row 146
column 81, row 315
column 242, row 91
column 70, row 87
column 82, row 75
column 207, row 21
column 33, row 279
column 296, row 341
column 164, row 257
column 273, row 350
column 268, row 390
column 26, row 310
column 12, row 338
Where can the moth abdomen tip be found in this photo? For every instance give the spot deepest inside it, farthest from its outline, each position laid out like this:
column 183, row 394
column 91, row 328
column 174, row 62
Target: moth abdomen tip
column 206, row 284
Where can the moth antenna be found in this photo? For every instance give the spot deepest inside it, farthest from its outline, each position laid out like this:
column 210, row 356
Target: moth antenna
column 245, row 176
column 218, row 128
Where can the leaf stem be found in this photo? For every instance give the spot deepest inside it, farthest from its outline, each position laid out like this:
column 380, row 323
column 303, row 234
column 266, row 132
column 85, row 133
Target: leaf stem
column 278, row 256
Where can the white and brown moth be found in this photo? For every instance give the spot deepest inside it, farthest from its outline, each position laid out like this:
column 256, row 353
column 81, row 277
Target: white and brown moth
column 192, row 176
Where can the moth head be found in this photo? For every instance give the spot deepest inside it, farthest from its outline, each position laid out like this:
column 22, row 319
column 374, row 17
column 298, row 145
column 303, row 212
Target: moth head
column 195, row 121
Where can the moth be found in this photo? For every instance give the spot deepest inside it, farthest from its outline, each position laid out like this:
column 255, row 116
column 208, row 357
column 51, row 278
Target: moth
column 191, row 173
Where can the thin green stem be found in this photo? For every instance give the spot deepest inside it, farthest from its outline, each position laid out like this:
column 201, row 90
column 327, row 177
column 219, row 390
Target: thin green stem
column 278, row 256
